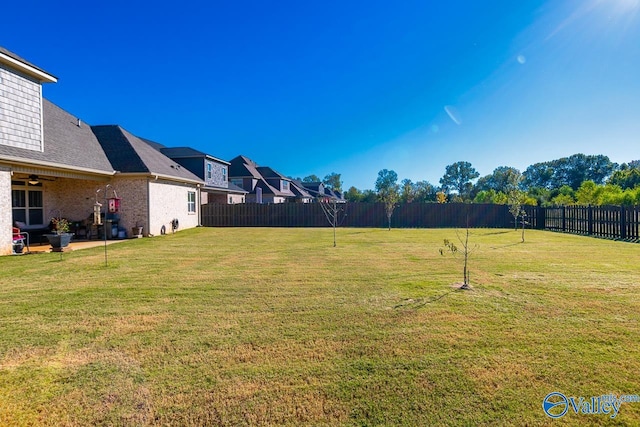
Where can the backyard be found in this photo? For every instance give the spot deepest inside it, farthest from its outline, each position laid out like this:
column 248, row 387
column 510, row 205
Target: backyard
column 263, row 326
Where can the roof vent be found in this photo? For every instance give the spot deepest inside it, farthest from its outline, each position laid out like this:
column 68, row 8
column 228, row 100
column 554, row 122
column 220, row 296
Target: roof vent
column 79, row 123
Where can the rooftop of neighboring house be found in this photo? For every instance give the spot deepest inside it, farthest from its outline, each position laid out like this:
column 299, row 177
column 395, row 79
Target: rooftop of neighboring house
column 243, row 167
column 298, row 189
column 188, row 152
column 268, row 172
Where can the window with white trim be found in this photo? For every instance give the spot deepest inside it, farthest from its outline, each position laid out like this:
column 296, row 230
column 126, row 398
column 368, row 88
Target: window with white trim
column 191, row 202
column 27, row 203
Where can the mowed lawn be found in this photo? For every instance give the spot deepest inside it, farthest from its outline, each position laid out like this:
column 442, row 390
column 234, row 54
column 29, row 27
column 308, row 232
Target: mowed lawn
column 249, row 326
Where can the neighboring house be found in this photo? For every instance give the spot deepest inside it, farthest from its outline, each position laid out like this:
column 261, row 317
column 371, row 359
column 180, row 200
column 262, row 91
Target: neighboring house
column 319, row 191
column 213, row 171
column 277, row 181
column 302, row 194
column 245, row 173
column 53, row 164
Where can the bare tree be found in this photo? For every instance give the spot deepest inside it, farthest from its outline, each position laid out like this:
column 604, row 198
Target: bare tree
column 466, row 251
column 335, row 214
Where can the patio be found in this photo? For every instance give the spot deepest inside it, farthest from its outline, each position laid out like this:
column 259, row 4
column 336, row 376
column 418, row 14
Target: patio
column 73, row 246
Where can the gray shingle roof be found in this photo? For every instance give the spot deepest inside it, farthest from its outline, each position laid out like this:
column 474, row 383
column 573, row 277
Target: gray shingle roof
column 65, row 143
column 130, row 154
column 268, row 172
column 24, row 61
column 188, row 152
column 242, row 166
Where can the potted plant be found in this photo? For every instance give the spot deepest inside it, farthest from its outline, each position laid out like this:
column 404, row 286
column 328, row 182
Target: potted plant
column 62, row 237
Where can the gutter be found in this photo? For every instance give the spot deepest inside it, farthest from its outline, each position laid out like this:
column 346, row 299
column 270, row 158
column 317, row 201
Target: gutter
column 53, row 166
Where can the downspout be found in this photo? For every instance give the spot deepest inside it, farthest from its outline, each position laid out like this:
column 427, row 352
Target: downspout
column 199, row 205
column 149, row 205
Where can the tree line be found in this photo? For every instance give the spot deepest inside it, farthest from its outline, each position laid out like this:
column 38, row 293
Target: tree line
column 577, row 179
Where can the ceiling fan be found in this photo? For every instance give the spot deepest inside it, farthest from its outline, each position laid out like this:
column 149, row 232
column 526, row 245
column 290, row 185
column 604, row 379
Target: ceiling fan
column 35, row 179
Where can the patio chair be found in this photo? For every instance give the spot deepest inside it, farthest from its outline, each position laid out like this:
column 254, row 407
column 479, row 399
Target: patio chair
column 20, row 239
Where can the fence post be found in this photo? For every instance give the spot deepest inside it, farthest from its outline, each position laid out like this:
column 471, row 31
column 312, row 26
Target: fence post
column 589, row 220
column 623, row 223
column 541, row 218
column 564, row 218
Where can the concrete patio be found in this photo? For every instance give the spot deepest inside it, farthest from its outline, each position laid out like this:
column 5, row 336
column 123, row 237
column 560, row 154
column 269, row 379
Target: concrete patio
column 73, row 246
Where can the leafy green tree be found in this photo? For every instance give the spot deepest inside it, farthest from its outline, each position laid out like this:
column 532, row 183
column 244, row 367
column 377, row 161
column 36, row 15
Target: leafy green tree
column 503, row 178
column 626, row 177
column 388, row 191
column 425, row 192
column 353, row 195
column 566, row 196
column 571, row 171
column 333, row 181
column 408, row 191
column 458, row 177
column 589, row 193
column 369, row 196
column 516, row 200
column 311, row 178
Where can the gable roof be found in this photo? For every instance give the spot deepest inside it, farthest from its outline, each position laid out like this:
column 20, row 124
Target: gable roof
column 298, row 189
column 68, row 144
column 244, row 167
column 188, row 152
column 155, row 145
column 268, row 172
column 15, row 62
column 130, row 154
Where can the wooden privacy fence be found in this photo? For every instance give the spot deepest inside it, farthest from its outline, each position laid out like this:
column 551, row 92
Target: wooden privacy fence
column 412, row 215
column 612, row 222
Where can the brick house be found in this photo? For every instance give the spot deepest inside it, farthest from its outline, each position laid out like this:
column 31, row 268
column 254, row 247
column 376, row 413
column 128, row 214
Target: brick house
column 264, row 184
column 213, row 171
column 53, row 164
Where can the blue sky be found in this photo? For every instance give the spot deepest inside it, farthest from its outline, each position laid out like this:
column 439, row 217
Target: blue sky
column 349, row 86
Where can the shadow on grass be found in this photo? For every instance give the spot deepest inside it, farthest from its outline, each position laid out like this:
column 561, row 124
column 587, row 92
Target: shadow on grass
column 493, row 233
column 422, row 302
column 506, row 246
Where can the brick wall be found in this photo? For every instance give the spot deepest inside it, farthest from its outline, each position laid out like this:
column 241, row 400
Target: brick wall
column 168, row 200
column 5, row 213
column 218, row 177
column 21, row 112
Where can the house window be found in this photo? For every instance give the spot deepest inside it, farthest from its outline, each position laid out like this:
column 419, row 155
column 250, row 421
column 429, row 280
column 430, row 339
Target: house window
column 224, row 174
column 285, row 185
column 230, row 200
column 209, row 171
column 191, row 202
column 26, row 203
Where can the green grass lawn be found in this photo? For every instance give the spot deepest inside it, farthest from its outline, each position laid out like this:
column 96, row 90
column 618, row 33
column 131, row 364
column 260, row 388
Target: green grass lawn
column 275, row 326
